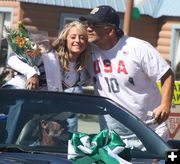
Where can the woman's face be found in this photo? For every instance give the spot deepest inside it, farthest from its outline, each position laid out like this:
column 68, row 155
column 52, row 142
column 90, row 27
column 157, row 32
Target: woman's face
column 76, row 43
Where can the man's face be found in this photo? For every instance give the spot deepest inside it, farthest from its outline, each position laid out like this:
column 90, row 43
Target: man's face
column 55, row 129
column 96, row 32
column 57, row 132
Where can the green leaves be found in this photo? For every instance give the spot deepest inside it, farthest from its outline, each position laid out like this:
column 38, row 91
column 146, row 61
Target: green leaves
column 19, row 41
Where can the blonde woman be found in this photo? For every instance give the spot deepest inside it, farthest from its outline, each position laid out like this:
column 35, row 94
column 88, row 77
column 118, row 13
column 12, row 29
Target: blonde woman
column 71, row 47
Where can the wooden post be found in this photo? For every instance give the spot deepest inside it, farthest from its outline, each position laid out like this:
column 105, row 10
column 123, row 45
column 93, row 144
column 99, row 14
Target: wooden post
column 127, row 16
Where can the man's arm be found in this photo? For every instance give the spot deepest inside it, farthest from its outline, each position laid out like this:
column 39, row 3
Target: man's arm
column 161, row 113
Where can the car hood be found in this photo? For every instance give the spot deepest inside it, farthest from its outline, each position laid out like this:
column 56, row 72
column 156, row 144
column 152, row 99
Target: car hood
column 28, row 158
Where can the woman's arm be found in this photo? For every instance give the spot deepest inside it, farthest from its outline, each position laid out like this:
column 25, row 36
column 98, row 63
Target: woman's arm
column 18, row 65
column 31, row 73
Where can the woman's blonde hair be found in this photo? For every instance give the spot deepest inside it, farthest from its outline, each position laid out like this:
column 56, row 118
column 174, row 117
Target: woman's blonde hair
column 60, row 45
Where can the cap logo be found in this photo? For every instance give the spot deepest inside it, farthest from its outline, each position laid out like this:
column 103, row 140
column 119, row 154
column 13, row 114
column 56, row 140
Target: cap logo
column 95, row 10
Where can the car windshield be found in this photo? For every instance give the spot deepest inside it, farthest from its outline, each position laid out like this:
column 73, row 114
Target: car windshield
column 25, row 121
column 45, row 121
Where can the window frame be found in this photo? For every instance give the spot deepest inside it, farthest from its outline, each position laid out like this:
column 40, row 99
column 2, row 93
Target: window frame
column 66, row 18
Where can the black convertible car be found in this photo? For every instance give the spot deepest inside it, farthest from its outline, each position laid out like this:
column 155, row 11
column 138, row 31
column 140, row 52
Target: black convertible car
column 24, row 117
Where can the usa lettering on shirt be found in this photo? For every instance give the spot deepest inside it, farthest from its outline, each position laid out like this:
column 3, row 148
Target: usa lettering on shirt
column 108, row 68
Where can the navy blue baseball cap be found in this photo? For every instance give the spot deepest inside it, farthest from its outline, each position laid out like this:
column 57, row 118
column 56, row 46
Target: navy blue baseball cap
column 102, row 14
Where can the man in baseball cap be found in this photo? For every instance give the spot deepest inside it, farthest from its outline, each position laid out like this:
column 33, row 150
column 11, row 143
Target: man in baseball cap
column 126, row 69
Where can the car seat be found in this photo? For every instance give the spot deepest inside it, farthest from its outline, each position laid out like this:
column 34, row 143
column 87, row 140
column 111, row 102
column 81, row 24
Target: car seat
column 28, row 134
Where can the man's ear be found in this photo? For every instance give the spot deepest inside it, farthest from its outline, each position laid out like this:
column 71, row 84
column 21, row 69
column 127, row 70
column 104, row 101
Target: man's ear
column 111, row 30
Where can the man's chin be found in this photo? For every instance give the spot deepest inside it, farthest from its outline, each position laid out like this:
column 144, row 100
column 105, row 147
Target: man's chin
column 91, row 40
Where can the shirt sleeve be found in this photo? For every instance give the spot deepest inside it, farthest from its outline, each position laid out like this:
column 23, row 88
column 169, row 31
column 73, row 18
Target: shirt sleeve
column 18, row 65
column 154, row 65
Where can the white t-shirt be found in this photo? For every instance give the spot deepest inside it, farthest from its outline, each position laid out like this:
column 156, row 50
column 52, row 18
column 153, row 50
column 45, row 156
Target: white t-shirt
column 127, row 74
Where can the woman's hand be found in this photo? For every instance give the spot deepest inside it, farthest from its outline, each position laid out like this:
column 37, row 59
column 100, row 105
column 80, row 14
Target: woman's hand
column 33, row 82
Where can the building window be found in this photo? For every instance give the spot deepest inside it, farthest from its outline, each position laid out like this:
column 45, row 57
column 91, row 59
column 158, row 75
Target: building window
column 67, row 18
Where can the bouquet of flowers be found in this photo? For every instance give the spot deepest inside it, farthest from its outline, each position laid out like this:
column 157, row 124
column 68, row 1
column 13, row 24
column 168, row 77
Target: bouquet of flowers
column 21, row 43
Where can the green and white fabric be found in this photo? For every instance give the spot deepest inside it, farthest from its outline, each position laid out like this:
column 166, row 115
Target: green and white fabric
column 104, row 147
